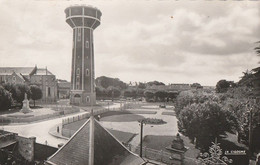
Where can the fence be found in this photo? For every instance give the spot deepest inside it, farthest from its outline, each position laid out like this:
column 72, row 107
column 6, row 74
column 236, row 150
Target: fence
column 82, row 116
column 162, row 156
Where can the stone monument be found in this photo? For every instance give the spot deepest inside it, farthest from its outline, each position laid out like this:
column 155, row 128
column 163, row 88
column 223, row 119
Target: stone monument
column 26, row 105
column 177, row 150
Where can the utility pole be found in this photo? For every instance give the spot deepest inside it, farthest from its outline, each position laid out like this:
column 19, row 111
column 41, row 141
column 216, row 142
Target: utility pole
column 141, row 139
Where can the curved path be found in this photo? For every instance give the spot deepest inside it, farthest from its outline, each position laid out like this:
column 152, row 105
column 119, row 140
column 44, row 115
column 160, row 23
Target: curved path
column 39, row 130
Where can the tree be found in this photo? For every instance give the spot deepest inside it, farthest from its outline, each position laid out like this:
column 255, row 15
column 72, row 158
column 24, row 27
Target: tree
column 161, row 95
column 101, row 92
column 257, row 49
column 140, row 92
column 205, row 122
column 113, row 92
column 196, row 85
column 36, row 93
column 172, row 95
column 18, row 91
column 105, row 82
column 141, row 85
column 21, row 89
column 155, row 83
column 148, row 95
column 222, row 86
column 5, row 99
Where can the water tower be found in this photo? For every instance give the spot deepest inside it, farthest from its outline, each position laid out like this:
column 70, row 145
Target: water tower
column 83, row 20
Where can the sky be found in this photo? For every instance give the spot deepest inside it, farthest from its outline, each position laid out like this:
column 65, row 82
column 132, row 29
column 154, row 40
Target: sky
column 138, row 40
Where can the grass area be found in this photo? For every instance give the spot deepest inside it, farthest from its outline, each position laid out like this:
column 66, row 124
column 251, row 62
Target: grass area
column 122, row 118
column 123, row 137
column 169, row 113
column 20, row 116
column 112, row 113
column 161, row 142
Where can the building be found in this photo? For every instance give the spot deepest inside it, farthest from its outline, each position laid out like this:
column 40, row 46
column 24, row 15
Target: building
column 41, row 77
column 15, row 149
column 63, row 89
column 92, row 144
column 83, row 20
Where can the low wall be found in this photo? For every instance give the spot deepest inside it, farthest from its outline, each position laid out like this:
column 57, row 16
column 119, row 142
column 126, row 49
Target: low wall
column 67, row 132
column 82, row 116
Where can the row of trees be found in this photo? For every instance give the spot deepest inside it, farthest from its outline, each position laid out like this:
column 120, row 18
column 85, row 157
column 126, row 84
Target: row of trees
column 13, row 94
column 204, row 116
column 150, row 96
column 159, row 95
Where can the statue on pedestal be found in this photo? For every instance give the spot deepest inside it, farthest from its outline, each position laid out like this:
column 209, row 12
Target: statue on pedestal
column 26, row 105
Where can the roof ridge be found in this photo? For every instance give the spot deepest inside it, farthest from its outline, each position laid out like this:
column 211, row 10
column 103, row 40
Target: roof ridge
column 70, row 139
column 115, row 138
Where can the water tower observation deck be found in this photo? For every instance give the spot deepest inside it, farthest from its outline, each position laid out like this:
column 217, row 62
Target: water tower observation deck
column 83, row 16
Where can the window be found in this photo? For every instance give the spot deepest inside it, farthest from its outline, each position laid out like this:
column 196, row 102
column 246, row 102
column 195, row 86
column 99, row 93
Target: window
column 87, row 72
column 79, row 34
column 77, row 82
column 78, row 71
column 88, row 99
column 87, row 44
column 49, row 91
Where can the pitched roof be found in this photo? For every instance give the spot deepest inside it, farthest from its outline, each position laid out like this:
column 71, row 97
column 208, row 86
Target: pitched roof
column 107, row 149
column 18, row 70
column 42, row 71
column 64, row 84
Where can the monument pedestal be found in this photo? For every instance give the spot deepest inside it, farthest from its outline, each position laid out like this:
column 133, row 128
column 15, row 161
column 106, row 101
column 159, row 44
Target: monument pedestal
column 26, row 105
column 177, row 150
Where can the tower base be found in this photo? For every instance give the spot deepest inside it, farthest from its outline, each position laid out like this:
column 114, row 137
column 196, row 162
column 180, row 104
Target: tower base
column 82, row 98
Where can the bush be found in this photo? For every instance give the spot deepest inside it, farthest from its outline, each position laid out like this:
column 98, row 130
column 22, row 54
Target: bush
column 5, row 99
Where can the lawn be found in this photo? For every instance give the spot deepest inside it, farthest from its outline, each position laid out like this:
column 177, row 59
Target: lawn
column 169, row 113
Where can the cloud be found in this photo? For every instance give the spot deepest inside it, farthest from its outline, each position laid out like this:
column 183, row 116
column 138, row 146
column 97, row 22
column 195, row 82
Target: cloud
column 169, row 41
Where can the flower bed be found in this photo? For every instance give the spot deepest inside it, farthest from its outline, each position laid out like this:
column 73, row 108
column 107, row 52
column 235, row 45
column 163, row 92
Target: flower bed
column 153, row 121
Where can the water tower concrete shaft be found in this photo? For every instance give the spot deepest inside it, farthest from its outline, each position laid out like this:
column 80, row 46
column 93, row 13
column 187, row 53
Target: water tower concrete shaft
column 83, row 20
